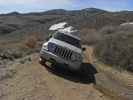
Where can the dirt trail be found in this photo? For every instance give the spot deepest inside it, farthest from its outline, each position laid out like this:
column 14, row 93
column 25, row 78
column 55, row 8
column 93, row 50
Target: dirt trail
column 33, row 81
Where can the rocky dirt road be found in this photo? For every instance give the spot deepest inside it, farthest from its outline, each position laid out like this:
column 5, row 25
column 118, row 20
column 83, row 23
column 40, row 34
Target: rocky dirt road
column 32, row 81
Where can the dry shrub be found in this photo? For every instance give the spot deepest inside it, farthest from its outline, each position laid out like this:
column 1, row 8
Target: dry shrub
column 116, row 49
column 107, row 30
column 31, row 41
column 89, row 36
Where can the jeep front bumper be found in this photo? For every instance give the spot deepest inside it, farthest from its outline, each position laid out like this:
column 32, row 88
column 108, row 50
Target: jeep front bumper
column 45, row 54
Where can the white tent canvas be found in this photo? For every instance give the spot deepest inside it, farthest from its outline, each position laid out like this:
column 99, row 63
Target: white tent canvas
column 58, row 26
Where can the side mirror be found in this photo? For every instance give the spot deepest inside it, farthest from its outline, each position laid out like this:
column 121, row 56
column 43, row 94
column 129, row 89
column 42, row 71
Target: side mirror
column 83, row 48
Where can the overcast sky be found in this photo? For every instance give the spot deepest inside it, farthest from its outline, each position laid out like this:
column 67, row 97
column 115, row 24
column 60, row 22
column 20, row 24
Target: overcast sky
column 42, row 5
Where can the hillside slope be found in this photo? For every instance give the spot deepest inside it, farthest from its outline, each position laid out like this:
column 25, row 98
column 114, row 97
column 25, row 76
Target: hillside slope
column 32, row 81
column 19, row 26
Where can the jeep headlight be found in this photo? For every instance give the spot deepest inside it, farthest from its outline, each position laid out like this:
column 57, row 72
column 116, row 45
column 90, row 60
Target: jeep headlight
column 45, row 46
column 75, row 57
column 51, row 47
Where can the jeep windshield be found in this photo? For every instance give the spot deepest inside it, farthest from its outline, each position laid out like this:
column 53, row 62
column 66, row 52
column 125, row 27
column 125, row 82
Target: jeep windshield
column 67, row 39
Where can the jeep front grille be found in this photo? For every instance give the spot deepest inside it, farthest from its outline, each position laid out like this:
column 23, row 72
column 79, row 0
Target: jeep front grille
column 63, row 53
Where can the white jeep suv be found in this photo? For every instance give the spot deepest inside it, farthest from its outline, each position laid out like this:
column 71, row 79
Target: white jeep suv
column 63, row 47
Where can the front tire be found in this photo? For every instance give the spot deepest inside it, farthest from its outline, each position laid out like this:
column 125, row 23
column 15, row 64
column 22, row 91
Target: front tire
column 42, row 61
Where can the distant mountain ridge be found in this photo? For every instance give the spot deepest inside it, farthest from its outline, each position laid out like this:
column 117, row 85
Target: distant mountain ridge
column 63, row 11
column 58, row 10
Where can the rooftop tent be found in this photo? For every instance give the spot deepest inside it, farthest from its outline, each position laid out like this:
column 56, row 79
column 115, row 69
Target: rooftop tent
column 70, row 31
column 128, row 23
column 63, row 27
column 58, row 26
